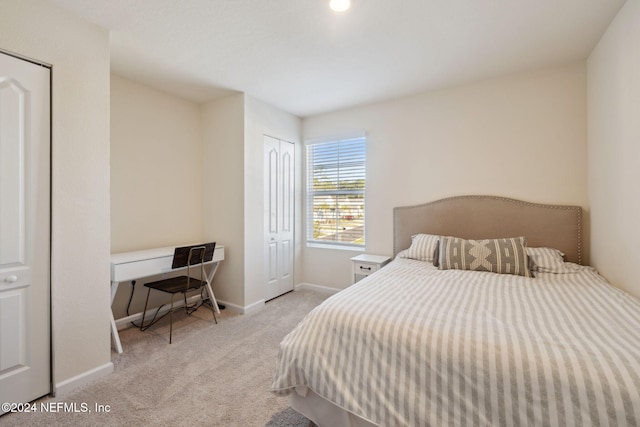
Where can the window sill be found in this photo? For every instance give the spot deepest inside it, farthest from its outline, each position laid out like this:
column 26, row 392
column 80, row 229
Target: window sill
column 337, row 247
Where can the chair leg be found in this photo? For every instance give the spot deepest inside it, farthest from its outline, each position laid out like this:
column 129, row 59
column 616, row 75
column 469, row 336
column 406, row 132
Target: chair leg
column 186, row 305
column 145, row 309
column 171, row 320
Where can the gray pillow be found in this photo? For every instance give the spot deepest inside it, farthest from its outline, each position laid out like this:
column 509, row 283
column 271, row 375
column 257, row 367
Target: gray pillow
column 505, row 256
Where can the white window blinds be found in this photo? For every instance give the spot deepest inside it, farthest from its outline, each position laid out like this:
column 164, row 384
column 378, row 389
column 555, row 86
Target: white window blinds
column 336, row 192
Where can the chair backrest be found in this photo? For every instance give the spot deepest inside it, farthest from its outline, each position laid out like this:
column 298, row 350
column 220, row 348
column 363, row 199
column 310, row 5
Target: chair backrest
column 195, row 254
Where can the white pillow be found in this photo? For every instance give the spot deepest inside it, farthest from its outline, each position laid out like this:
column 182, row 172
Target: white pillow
column 422, row 247
column 546, row 260
column 402, row 253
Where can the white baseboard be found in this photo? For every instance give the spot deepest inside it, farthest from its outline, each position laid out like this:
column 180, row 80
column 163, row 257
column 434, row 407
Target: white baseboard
column 317, row 288
column 243, row 309
column 66, row 386
column 256, row 306
column 232, row 307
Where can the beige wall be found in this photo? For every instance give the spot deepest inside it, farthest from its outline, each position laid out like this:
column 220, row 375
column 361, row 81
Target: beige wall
column 156, row 177
column 79, row 53
column 263, row 119
column 521, row 136
column 223, row 191
column 156, row 168
column 614, row 149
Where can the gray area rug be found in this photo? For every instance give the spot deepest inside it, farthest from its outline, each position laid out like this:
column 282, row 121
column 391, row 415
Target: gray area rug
column 212, row 375
column 289, row 418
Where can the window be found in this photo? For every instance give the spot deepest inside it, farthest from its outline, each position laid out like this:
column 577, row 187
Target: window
column 335, row 192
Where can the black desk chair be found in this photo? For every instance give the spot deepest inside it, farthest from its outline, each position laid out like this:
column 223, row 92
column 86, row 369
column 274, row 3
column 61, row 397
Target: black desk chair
column 186, row 256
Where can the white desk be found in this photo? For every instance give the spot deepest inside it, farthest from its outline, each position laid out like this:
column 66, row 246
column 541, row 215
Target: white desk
column 126, row 266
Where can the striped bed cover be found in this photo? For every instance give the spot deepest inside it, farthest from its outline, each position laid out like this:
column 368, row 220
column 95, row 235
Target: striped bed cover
column 414, row 346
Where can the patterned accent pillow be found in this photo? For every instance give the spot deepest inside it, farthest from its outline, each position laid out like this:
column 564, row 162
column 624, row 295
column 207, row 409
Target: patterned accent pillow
column 505, row 256
column 547, row 260
column 422, row 247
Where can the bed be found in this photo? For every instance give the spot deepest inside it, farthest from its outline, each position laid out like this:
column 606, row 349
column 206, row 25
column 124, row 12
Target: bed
column 417, row 344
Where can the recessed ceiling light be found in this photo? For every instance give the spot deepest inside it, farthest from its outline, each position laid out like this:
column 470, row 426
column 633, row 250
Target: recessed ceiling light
column 340, row 5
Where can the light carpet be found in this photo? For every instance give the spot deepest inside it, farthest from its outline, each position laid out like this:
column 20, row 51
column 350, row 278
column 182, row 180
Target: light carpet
column 211, row 375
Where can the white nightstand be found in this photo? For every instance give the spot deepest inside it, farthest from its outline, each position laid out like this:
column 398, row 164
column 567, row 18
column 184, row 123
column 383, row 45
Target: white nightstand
column 365, row 264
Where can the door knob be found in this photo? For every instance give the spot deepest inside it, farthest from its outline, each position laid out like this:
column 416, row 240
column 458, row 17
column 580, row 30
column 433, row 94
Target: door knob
column 11, row 279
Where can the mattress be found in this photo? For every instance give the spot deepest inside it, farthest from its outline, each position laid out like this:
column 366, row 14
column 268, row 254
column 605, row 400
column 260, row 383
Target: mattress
column 412, row 345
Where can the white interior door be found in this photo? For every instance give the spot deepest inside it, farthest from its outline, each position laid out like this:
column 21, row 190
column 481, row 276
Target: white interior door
column 24, row 230
column 279, row 214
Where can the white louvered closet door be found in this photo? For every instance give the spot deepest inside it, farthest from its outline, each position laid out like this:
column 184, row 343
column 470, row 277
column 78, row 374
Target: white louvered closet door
column 24, row 230
column 278, row 215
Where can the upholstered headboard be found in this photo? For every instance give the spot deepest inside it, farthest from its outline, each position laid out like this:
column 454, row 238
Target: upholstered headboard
column 486, row 217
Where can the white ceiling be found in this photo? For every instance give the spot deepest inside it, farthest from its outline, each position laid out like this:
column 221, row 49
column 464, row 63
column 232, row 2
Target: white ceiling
column 302, row 57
